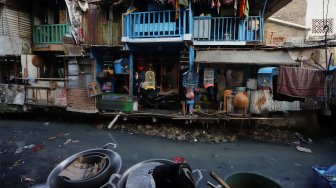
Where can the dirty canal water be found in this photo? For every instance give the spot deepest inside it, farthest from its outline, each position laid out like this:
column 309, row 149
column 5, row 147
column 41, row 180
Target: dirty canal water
column 30, row 149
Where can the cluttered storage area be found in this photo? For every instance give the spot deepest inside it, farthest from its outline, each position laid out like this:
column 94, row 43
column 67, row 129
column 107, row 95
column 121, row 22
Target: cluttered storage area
column 242, row 83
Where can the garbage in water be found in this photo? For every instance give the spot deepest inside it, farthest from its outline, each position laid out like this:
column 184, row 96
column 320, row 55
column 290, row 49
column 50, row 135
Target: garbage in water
column 26, row 180
column 19, row 150
column 67, row 142
column 52, row 138
column 303, row 138
column 114, row 120
column 46, row 123
column 37, row 147
column 302, row 149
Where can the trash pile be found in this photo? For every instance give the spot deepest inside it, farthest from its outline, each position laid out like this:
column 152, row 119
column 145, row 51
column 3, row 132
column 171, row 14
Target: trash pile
column 209, row 135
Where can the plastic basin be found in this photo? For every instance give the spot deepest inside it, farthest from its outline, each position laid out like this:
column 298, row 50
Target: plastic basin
column 250, row 180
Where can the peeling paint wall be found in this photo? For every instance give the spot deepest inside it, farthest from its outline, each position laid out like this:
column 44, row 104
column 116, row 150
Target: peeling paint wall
column 261, row 102
column 102, row 25
column 12, row 94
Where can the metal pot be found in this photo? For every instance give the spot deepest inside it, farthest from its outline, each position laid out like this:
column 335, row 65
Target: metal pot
column 112, row 166
column 122, row 179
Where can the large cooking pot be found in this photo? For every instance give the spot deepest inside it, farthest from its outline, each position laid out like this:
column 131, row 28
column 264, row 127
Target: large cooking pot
column 122, row 179
column 112, row 166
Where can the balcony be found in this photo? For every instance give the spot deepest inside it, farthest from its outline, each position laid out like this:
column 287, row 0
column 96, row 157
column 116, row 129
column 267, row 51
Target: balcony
column 49, row 34
column 227, row 30
column 157, row 26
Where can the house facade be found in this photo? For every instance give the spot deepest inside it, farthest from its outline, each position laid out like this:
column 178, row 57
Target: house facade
column 174, row 59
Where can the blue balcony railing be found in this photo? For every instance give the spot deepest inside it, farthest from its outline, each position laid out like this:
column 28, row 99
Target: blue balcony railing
column 49, row 34
column 156, row 24
column 228, row 29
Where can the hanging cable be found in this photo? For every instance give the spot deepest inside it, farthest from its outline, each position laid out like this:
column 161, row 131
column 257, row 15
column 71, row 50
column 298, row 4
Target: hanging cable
column 323, row 15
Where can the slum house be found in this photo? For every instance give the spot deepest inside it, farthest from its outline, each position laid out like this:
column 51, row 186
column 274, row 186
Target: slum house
column 44, row 75
column 84, row 38
column 15, row 40
column 87, row 70
column 208, row 48
column 52, row 32
column 154, row 71
column 303, row 36
column 59, row 70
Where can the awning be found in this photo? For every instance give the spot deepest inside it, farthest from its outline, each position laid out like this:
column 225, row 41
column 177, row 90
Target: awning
column 261, row 57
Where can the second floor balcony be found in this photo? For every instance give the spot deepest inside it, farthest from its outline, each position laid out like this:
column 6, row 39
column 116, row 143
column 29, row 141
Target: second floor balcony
column 157, row 26
column 49, row 33
column 175, row 26
column 227, row 30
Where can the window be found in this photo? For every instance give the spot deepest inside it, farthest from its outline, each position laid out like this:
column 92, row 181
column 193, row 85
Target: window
column 317, row 26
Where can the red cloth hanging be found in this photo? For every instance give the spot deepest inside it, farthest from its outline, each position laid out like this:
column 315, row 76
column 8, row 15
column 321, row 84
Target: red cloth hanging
column 241, row 9
column 172, row 1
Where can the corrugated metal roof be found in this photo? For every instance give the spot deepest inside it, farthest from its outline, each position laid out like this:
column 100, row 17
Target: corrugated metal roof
column 261, row 57
column 101, row 1
column 69, row 56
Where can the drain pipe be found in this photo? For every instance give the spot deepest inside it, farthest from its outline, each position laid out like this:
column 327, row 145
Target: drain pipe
column 290, row 24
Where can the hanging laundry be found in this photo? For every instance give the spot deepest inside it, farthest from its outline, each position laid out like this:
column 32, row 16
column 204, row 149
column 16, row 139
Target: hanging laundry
column 330, row 85
column 209, row 79
column 235, row 6
column 183, row 2
column 298, row 82
column 160, row 2
column 218, row 6
column 172, row 2
column 177, row 8
column 227, row 2
column 212, row 4
column 243, row 8
column 246, row 9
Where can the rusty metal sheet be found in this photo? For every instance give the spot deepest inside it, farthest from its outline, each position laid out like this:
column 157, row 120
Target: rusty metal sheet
column 261, row 102
column 99, row 28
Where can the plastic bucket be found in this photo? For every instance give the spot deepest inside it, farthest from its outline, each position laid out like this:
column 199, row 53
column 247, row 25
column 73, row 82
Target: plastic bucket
column 117, row 67
column 250, row 180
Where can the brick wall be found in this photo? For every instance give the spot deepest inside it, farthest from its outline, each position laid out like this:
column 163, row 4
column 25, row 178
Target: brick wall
column 294, row 12
column 79, row 101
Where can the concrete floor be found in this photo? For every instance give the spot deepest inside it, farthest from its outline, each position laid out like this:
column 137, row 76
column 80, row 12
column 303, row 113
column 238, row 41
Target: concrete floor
column 282, row 163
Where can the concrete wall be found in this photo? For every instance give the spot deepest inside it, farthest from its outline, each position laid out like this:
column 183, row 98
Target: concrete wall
column 304, row 120
column 10, row 45
column 315, row 11
column 294, row 12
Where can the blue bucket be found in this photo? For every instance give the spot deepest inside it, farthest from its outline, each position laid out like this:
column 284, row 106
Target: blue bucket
column 117, row 67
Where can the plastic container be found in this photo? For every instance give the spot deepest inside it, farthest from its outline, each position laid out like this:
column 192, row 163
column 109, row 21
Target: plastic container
column 240, row 89
column 250, row 180
column 121, row 66
column 320, row 180
column 117, row 67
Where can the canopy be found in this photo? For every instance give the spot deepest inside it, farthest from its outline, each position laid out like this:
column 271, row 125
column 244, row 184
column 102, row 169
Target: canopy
column 261, row 57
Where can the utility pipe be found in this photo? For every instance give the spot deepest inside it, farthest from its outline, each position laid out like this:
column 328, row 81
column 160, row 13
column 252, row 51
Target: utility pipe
column 290, row 24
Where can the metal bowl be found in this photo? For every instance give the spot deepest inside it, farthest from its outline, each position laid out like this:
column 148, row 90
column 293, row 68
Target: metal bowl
column 113, row 166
